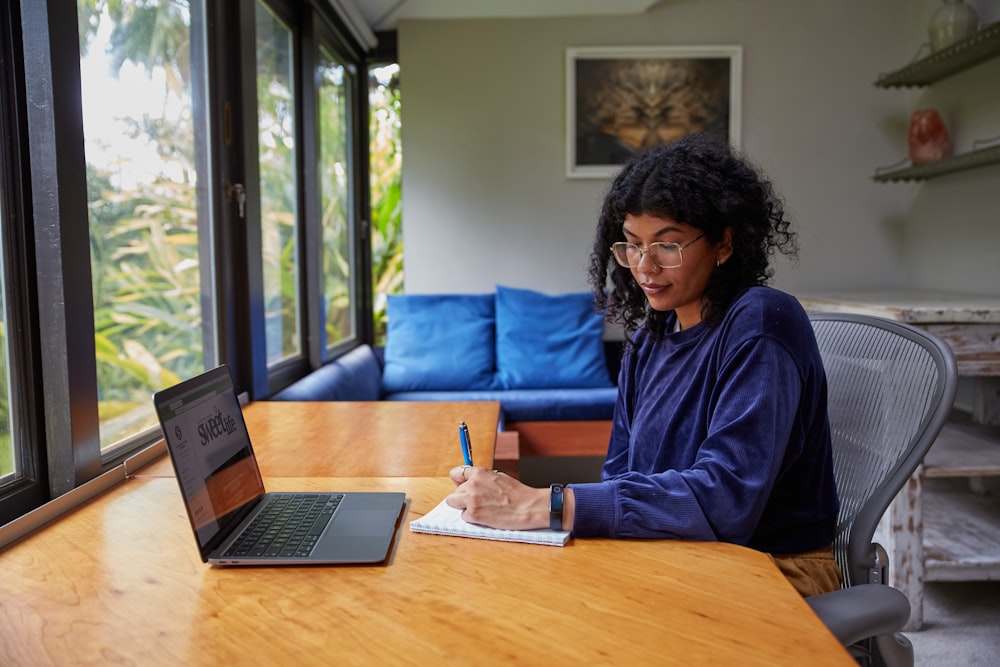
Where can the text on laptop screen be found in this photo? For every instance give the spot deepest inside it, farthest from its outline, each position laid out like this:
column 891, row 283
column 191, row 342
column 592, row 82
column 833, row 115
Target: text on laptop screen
column 212, row 456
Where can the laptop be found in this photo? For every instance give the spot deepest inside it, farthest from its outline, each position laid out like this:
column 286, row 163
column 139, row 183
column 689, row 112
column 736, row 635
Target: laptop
column 225, row 498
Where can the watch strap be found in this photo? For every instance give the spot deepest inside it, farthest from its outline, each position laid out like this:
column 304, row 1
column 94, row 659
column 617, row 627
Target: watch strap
column 556, row 506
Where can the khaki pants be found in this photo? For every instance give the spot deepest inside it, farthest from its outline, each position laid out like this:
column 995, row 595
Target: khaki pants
column 812, row 572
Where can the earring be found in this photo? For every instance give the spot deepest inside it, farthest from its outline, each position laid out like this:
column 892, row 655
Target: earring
column 718, row 263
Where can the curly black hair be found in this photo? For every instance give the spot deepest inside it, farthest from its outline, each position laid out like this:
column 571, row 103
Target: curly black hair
column 702, row 181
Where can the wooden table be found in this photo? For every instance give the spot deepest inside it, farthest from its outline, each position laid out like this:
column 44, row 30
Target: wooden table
column 362, row 439
column 119, row 581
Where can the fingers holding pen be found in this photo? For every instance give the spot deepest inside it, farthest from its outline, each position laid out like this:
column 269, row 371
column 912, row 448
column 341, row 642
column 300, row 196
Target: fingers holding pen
column 462, row 474
column 485, row 496
column 466, row 487
column 491, row 498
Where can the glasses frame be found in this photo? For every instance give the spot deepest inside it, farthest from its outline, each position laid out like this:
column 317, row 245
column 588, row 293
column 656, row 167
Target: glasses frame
column 642, row 252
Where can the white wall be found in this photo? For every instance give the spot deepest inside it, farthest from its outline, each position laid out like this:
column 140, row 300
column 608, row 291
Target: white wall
column 486, row 200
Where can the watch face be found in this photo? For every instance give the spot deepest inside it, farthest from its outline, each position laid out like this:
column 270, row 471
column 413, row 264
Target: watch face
column 556, row 499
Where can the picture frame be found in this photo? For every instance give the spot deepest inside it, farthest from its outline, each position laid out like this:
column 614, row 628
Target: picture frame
column 621, row 99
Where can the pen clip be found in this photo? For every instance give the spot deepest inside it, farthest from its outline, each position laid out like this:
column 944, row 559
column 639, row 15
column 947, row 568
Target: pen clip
column 466, row 442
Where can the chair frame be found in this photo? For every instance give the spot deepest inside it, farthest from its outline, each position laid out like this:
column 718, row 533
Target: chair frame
column 862, row 561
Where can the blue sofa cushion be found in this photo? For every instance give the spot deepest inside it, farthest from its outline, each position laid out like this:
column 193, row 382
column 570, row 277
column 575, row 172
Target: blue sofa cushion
column 547, row 342
column 439, row 342
column 531, row 404
column 354, row 376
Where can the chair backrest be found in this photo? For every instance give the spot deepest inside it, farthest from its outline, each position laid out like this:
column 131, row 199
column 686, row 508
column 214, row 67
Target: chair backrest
column 890, row 388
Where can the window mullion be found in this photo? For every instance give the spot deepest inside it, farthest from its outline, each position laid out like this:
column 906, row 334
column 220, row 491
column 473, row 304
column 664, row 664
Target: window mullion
column 62, row 243
column 255, row 335
column 26, row 482
column 312, row 257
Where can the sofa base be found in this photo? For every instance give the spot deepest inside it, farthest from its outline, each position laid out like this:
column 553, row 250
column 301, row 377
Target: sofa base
column 559, row 438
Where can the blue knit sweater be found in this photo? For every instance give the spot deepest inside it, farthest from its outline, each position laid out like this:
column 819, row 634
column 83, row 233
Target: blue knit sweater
column 720, row 433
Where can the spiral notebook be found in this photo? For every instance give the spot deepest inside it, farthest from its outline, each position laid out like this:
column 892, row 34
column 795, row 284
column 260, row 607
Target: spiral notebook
column 446, row 520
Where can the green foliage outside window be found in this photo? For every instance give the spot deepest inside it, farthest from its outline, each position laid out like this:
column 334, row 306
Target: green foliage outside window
column 142, row 207
column 144, row 238
column 144, row 234
column 386, row 190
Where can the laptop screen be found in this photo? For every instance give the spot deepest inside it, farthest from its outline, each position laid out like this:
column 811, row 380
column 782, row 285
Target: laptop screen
column 210, row 449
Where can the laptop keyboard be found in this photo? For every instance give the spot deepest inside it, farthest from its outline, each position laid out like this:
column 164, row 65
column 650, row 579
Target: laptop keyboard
column 288, row 527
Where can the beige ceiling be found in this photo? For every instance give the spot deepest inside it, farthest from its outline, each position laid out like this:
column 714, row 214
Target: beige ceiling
column 384, row 14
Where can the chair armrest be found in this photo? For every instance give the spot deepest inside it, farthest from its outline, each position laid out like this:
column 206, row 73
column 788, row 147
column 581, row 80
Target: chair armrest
column 861, row 611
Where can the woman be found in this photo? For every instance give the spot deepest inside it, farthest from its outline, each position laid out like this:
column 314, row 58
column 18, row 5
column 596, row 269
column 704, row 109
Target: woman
column 720, row 431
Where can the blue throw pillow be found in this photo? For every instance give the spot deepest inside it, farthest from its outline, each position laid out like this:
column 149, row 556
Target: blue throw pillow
column 439, row 342
column 546, row 342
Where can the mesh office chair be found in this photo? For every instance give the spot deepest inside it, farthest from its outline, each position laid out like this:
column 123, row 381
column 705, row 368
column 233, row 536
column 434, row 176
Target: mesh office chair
column 891, row 387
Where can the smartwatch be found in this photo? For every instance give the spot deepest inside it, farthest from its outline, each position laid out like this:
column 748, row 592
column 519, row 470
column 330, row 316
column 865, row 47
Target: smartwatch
column 556, row 507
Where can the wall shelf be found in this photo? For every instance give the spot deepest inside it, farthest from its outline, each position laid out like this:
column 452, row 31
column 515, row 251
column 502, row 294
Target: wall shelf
column 955, row 58
column 947, row 165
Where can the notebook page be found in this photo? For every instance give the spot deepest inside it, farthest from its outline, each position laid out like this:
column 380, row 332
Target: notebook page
column 446, row 520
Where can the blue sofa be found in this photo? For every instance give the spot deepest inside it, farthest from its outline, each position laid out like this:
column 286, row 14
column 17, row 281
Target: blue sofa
column 357, row 376
column 542, row 357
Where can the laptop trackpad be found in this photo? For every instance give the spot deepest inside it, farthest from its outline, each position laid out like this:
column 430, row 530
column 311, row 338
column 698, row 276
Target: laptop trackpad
column 372, row 522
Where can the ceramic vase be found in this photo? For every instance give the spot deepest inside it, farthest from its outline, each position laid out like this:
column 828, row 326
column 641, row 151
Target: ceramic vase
column 928, row 137
column 952, row 22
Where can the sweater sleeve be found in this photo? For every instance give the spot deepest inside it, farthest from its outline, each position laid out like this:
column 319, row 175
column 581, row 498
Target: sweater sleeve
column 722, row 495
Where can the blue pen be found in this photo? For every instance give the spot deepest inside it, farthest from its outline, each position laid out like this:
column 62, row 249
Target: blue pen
column 463, row 437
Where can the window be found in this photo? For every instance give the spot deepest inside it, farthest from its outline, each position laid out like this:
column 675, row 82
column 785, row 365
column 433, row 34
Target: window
column 338, row 286
column 313, row 248
column 9, row 465
column 386, row 189
column 126, row 237
column 23, row 478
column 279, row 187
column 142, row 185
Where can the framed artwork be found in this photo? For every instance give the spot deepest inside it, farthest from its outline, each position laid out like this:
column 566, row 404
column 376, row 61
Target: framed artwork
column 619, row 100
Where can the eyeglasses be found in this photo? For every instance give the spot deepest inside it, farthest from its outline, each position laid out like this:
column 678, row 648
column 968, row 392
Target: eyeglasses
column 664, row 255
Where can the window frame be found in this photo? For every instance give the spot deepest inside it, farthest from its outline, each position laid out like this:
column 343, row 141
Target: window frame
column 58, row 184
column 262, row 379
column 322, row 34
column 46, row 225
column 29, row 489
column 314, row 23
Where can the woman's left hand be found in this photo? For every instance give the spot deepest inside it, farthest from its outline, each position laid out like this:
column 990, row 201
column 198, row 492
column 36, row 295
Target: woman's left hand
column 494, row 499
